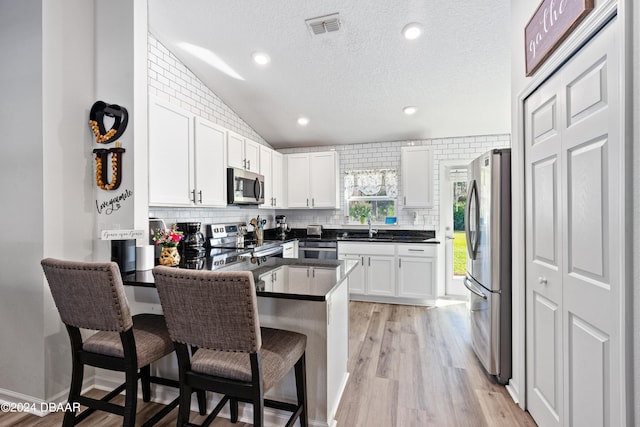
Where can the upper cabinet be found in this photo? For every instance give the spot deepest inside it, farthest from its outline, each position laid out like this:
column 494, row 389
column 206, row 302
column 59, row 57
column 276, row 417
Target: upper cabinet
column 271, row 169
column 312, row 180
column 417, row 177
column 210, row 166
column 195, row 150
column 171, row 139
column 243, row 153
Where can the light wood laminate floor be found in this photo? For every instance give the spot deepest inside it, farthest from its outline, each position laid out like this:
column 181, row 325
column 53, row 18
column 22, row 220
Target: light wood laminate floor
column 409, row 366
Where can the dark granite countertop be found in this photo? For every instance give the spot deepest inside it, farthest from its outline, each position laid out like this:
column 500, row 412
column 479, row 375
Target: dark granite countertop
column 362, row 235
column 288, row 278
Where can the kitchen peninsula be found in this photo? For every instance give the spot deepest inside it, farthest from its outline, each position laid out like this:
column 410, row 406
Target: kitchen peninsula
column 301, row 295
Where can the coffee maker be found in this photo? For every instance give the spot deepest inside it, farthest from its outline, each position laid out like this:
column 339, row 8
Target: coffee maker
column 281, row 226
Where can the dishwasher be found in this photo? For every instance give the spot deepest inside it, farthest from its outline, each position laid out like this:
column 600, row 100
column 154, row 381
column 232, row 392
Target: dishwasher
column 313, row 247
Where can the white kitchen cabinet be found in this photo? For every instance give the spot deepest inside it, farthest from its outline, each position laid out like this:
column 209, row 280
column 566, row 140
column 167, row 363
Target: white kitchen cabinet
column 357, row 276
column 417, row 266
column 381, row 275
column 210, row 166
column 273, row 280
column 271, row 169
column 243, row 153
column 186, row 158
column 312, row 180
column 375, row 274
column 277, row 180
column 395, row 273
column 416, row 165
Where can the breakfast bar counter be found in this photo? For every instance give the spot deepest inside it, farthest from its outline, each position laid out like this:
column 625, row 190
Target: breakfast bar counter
column 302, row 295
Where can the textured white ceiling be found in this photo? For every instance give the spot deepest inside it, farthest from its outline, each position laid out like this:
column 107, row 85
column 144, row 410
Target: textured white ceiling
column 352, row 84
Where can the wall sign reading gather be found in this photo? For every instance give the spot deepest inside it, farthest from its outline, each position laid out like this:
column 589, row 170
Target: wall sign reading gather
column 551, row 23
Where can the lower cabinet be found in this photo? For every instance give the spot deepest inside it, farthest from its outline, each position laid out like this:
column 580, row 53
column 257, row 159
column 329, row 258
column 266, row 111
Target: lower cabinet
column 395, row 273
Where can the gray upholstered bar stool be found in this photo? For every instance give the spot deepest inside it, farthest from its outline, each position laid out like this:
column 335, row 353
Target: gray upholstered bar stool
column 90, row 295
column 216, row 313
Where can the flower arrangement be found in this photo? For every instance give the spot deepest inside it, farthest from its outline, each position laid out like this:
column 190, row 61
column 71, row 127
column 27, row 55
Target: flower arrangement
column 168, row 237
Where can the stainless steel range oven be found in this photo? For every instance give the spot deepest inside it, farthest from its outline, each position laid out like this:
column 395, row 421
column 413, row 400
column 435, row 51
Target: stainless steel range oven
column 318, row 249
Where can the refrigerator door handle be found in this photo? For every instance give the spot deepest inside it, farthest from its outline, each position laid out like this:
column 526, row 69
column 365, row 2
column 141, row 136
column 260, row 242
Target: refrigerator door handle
column 473, row 236
column 469, row 285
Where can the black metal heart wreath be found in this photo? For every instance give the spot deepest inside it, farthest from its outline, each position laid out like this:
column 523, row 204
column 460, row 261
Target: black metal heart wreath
column 96, row 121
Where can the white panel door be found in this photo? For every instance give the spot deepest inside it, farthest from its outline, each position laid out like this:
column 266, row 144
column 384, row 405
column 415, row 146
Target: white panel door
column 544, row 256
column 592, row 184
column 574, row 174
column 210, row 164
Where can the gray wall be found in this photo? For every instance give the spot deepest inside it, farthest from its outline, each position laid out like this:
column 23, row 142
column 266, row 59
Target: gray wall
column 21, row 174
column 47, row 84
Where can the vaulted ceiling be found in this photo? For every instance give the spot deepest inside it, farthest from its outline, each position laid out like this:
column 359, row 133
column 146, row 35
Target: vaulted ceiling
column 352, row 84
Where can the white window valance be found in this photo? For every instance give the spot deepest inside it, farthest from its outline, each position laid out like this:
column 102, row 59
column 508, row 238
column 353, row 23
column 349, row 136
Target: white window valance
column 371, row 183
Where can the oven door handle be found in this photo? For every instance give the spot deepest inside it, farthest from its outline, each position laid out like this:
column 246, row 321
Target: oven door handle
column 473, row 288
column 268, row 252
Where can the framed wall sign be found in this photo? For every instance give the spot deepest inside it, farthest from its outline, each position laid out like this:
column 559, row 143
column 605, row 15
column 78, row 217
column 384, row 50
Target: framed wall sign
column 551, row 23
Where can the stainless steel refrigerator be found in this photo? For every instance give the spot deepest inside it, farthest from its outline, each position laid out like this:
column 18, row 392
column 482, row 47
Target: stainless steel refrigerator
column 488, row 278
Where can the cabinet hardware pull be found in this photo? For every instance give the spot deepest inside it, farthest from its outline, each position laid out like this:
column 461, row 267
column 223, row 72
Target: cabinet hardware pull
column 399, row 262
column 244, row 163
column 249, row 164
column 313, row 202
column 307, row 202
column 542, row 280
column 363, row 261
column 193, row 195
column 416, row 250
column 369, row 261
column 200, row 194
column 405, row 200
column 313, row 272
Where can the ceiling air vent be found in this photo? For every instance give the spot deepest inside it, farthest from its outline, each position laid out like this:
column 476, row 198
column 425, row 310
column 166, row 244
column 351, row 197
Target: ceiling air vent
column 324, row 24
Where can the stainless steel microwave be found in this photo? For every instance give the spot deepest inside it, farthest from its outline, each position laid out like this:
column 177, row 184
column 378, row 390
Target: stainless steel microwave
column 244, row 187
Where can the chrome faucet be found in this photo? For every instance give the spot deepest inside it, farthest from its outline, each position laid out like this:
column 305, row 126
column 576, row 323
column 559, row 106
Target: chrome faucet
column 372, row 231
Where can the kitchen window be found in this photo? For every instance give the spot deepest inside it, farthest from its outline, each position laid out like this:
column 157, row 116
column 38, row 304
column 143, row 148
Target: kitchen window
column 370, row 192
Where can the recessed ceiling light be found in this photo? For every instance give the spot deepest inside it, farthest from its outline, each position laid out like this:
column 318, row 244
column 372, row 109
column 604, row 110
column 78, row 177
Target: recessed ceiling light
column 261, row 58
column 409, row 110
column 412, row 31
column 303, row 121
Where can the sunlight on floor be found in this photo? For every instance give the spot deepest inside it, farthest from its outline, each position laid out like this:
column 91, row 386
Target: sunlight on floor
column 445, row 302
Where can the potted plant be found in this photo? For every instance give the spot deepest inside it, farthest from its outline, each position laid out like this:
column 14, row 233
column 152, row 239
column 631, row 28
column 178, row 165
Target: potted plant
column 168, row 239
column 360, row 210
